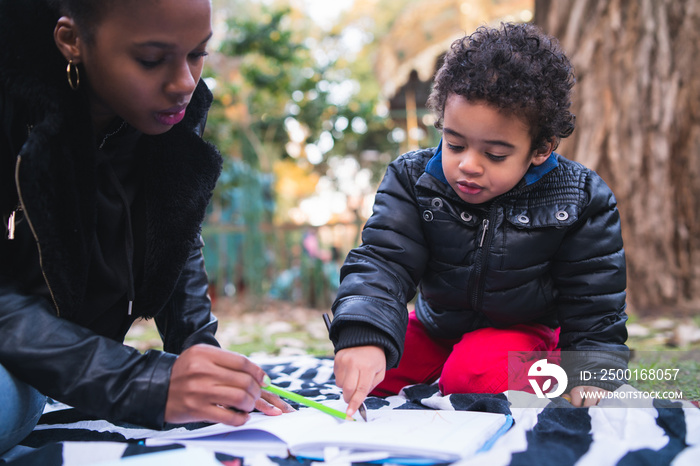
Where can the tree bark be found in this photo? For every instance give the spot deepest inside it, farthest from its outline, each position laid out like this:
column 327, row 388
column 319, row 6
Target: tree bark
column 637, row 102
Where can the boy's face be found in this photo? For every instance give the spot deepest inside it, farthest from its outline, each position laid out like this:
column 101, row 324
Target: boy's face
column 485, row 152
column 145, row 62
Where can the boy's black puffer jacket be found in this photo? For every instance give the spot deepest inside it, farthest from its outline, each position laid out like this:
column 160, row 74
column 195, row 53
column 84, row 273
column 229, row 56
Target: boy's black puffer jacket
column 549, row 252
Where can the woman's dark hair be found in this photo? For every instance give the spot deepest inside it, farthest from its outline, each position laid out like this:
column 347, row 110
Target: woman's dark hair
column 516, row 68
column 87, row 14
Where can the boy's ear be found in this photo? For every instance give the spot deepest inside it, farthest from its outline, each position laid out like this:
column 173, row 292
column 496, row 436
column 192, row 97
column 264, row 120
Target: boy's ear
column 67, row 40
column 543, row 152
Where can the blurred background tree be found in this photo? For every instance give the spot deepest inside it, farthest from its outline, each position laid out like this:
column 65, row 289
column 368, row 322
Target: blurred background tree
column 637, row 102
column 299, row 121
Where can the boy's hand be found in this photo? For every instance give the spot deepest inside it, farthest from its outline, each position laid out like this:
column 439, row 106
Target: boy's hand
column 357, row 371
column 214, row 385
column 579, row 398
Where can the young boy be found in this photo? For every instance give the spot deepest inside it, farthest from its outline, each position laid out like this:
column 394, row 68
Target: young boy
column 511, row 246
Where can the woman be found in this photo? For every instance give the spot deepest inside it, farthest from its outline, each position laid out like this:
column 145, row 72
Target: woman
column 104, row 185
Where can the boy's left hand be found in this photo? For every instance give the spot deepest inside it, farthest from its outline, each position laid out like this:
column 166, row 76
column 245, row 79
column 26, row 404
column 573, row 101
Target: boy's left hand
column 580, row 397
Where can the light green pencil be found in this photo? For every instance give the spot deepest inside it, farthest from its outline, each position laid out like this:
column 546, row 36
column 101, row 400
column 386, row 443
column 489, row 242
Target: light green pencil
column 267, row 385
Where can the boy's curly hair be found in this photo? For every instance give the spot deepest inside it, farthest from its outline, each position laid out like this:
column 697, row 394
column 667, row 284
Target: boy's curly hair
column 516, row 68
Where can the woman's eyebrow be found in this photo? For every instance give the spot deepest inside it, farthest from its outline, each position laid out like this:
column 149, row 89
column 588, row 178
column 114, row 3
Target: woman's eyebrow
column 166, row 45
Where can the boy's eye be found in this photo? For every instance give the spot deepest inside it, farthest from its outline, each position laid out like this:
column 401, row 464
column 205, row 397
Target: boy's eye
column 454, row 148
column 496, row 158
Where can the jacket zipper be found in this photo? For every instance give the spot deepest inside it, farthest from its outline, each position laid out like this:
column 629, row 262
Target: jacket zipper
column 484, row 246
column 479, row 266
column 11, row 222
column 485, row 225
column 23, row 207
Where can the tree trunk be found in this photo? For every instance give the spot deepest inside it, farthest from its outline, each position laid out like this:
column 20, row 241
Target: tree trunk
column 637, row 102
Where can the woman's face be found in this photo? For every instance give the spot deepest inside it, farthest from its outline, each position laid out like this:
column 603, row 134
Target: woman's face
column 145, row 61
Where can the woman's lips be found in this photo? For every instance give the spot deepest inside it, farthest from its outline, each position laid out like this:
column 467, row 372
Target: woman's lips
column 171, row 116
column 469, row 188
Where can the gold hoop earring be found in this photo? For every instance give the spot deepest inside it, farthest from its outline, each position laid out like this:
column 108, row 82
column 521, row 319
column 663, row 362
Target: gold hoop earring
column 71, row 70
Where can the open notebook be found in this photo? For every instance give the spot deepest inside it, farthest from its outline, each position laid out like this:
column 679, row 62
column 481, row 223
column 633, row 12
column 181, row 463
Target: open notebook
column 409, row 436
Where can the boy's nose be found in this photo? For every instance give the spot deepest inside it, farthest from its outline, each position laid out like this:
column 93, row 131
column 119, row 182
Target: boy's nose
column 471, row 162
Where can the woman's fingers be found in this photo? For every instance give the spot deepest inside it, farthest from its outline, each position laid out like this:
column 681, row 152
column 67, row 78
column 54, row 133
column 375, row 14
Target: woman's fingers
column 272, row 405
column 206, row 382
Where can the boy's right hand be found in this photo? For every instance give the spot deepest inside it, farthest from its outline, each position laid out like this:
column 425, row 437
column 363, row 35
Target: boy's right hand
column 357, row 371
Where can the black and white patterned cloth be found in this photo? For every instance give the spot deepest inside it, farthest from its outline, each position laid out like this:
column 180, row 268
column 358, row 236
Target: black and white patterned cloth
column 543, row 433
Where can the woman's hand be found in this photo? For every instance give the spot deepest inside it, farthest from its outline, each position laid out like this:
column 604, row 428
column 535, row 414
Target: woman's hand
column 214, row 385
column 272, row 405
column 357, row 371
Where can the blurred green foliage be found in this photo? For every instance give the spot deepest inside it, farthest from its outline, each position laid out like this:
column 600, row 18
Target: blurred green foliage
column 276, row 93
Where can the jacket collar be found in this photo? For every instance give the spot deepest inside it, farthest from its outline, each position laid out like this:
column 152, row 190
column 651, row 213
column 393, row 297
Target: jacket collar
column 434, row 166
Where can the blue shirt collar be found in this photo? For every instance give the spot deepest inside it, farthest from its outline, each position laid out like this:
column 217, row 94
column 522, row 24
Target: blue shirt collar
column 434, row 166
column 534, row 173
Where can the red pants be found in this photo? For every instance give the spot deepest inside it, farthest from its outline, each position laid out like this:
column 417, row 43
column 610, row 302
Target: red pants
column 475, row 363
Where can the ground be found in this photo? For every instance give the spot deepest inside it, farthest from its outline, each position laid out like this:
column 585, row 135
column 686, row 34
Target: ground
column 276, row 327
column 281, row 328
column 270, row 327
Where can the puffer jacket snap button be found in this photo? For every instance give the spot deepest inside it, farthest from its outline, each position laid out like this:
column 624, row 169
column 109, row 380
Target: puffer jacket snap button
column 427, row 216
column 562, row 215
column 522, row 218
column 437, row 202
column 465, row 216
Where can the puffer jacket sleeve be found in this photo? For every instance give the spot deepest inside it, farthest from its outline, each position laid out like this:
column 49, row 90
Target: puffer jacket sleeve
column 186, row 319
column 380, row 276
column 68, row 362
column 590, row 275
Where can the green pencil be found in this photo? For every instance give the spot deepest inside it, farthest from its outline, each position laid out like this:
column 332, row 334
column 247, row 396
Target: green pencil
column 267, row 385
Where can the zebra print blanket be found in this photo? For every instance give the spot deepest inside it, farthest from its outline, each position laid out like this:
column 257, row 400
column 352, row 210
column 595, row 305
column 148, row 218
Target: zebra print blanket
column 544, row 432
